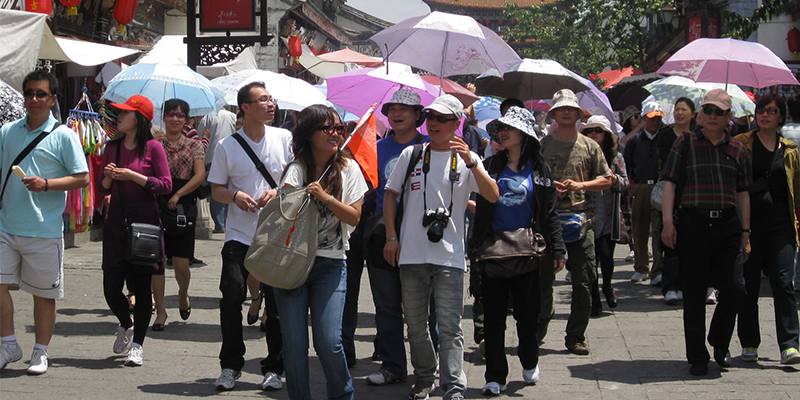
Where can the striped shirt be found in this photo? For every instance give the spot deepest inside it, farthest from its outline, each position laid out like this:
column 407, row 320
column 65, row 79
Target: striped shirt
column 714, row 173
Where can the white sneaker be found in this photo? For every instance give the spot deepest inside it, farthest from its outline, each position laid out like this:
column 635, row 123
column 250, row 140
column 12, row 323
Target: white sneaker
column 123, row 341
column 568, row 278
column 494, row 389
column 272, row 382
column 750, row 354
column 656, row 281
column 135, row 356
column 790, row 356
column 530, row 376
column 671, row 297
column 680, row 295
column 39, row 362
column 711, row 296
column 9, row 355
column 384, row 377
column 629, row 258
column 637, row 277
column 227, row 379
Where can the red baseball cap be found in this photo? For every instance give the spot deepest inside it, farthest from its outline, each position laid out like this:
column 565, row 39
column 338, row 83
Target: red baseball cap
column 138, row 103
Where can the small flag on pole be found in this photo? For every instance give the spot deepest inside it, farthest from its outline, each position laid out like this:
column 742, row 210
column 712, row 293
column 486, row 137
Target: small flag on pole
column 364, row 145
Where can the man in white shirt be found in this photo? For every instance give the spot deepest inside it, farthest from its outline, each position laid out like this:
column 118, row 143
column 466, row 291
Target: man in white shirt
column 215, row 128
column 438, row 189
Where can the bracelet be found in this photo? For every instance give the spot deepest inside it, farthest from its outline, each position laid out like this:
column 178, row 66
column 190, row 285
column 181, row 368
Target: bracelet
column 46, row 185
column 390, row 239
column 747, row 230
column 234, row 196
column 473, row 164
column 330, row 202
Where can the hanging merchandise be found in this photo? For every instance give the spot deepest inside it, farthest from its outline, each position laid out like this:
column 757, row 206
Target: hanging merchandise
column 86, row 124
column 124, row 12
column 72, row 6
column 39, row 6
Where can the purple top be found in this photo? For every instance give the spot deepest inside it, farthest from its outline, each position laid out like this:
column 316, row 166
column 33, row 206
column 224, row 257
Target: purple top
column 153, row 165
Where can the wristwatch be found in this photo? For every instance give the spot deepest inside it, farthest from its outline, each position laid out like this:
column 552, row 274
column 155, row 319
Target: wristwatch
column 473, row 164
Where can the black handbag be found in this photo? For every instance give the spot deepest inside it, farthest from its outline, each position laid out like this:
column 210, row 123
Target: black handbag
column 180, row 220
column 508, row 254
column 143, row 242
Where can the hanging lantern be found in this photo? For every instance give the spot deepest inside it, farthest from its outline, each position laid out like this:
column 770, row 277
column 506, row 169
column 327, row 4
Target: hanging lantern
column 793, row 37
column 313, row 50
column 72, row 6
column 486, row 22
column 513, row 22
column 124, row 12
column 39, row 6
column 295, row 47
column 500, row 22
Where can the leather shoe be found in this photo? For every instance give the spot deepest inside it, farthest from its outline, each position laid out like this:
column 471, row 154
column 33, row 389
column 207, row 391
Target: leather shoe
column 699, row 369
column 578, row 348
column 159, row 327
column 722, row 357
column 611, row 297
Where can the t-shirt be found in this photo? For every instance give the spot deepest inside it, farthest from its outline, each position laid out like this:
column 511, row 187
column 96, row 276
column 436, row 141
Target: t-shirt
column 32, row 214
column 388, row 153
column 333, row 236
column 581, row 160
column 415, row 246
column 234, row 169
column 220, row 126
column 514, row 209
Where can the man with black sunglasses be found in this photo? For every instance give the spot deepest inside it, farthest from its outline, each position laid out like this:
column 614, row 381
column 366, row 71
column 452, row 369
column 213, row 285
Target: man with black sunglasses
column 31, row 207
column 713, row 227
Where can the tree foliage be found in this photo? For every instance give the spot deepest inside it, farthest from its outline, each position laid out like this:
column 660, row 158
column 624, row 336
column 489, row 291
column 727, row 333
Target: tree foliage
column 583, row 35
column 740, row 27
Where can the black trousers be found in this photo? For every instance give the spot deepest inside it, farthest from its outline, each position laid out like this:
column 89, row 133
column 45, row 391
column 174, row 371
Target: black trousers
column 710, row 254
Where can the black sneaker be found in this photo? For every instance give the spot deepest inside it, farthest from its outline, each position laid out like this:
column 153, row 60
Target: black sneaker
column 699, row 369
column 722, row 357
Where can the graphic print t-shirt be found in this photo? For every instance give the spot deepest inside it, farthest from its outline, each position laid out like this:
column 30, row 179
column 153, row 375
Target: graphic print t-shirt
column 515, row 207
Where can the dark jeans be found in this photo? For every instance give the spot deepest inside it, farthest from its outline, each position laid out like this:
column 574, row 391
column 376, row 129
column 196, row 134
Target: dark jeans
column 274, row 360
column 670, row 278
column 524, row 293
column 388, row 296
column 773, row 253
column 709, row 255
column 355, row 267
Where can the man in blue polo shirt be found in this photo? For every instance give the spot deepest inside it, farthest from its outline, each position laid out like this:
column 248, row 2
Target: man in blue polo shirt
column 31, row 227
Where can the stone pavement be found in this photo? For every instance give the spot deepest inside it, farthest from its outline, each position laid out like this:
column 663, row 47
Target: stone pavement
column 637, row 350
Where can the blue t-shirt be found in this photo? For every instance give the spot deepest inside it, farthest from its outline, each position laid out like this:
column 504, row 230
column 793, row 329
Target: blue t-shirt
column 388, row 153
column 514, row 210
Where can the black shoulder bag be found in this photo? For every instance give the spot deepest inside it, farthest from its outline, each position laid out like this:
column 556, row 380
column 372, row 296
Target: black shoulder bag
column 375, row 227
column 259, row 165
column 143, row 242
column 24, row 153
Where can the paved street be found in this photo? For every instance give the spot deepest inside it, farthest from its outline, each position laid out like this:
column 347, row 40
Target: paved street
column 637, row 350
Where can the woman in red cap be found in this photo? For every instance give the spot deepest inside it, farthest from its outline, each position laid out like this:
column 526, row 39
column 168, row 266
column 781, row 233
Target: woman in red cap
column 136, row 166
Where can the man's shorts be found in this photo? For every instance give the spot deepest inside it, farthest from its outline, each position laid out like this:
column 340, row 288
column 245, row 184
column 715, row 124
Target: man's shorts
column 35, row 264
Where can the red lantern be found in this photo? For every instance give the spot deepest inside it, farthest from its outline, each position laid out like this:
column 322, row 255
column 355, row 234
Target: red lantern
column 295, row 47
column 500, row 22
column 39, row 6
column 124, row 12
column 72, row 6
column 313, row 50
column 793, row 37
column 486, row 22
column 513, row 22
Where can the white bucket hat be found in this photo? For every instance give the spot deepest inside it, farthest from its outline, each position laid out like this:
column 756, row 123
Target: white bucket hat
column 597, row 121
column 515, row 117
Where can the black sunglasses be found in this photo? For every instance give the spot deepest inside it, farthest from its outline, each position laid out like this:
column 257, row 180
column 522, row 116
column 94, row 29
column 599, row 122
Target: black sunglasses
column 441, row 118
column 770, row 111
column 175, row 114
column 708, row 110
column 593, row 130
column 337, row 129
column 40, row 94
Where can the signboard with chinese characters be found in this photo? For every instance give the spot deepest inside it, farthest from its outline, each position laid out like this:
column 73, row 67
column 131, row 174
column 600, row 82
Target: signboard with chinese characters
column 713, row 27
column 694, row 28
column 227, row 15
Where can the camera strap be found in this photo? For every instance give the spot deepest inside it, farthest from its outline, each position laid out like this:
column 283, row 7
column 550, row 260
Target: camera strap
column 426, row 167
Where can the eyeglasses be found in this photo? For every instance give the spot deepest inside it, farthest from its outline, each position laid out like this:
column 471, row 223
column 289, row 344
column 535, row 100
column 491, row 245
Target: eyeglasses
column 770, row 111
column 708, row 110
column 39, row 94
column 440, row 118
column 175, row 114
column 330, row 129
column 263, row 100
column 588, row 131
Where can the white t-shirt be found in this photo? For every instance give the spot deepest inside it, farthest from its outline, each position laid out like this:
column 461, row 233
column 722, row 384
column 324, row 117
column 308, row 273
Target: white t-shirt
column 234, row 169
column 333, row 236
column 415, row 248
column 220, row 126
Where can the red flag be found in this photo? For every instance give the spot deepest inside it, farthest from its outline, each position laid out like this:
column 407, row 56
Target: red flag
column 364, row 145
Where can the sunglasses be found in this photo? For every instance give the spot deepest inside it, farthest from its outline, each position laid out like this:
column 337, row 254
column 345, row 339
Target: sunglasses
column 770, row 111
column 593, row 130
column 329, row 129
column 175, row 114
column 40, row 94
column 440, row 118
column 708, row 110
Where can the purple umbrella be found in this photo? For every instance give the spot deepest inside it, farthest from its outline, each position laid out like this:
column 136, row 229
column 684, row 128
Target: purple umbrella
column 729, row 61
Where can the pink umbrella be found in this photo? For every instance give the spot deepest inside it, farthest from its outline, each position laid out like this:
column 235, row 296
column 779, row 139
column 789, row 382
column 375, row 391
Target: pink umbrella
column 350, row 56
column 451, row 87
column 729, row 61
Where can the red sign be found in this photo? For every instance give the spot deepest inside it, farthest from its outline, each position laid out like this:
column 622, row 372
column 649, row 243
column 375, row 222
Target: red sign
column 694, row 28
column 227, row 15
column 713, row 27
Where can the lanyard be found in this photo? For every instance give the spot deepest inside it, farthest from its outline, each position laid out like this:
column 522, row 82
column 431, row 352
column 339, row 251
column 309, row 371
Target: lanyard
column 426, row 167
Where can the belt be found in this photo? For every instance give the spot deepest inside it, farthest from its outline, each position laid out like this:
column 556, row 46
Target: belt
column 711, row 214
column 648, row 182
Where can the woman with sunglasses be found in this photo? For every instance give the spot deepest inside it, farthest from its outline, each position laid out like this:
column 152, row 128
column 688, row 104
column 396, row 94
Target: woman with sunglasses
column 527, row 200
column 135, row 167
column 185, row 157
column 598, row 129
column 773, row 203
column 337, row 186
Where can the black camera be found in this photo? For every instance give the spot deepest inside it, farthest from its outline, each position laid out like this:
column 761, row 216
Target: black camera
column 435, row 220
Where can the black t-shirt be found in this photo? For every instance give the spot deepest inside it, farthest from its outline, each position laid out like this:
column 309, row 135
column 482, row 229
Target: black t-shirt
column 774, row 208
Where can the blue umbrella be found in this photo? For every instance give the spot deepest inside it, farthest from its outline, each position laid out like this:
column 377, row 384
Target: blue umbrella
column 487, row 108
column 161, row 82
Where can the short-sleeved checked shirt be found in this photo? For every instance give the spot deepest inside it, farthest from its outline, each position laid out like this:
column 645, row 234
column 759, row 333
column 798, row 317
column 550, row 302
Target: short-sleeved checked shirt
column 181, row 156
column 714, row 174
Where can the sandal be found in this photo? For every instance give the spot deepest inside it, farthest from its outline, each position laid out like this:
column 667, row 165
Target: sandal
column 252, row 319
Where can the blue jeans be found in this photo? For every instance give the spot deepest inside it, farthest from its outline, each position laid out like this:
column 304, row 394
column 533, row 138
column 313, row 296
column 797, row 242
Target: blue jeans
column 448, row 288
column 218, row 211
column 323, row 293
column 387, row 295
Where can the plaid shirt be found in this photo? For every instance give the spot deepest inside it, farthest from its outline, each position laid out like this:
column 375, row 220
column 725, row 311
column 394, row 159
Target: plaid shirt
column 714, row 173
column 181, row 156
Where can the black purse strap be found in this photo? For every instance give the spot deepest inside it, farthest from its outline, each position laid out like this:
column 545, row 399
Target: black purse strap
column 24, row 153
column 259, row 165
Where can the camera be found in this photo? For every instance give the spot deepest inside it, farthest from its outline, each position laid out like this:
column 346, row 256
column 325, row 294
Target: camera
column 435, row 220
